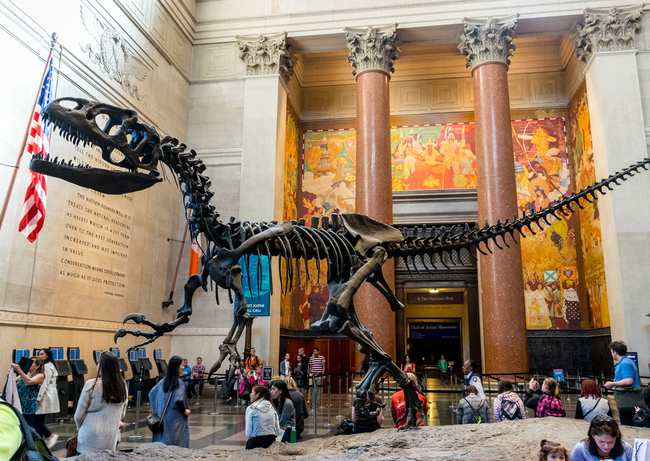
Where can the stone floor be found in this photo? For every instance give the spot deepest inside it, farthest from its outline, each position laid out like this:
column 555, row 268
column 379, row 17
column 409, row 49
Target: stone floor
column 226, row 430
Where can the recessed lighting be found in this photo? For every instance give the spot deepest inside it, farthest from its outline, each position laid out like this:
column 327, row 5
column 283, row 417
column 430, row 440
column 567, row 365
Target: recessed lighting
column 434, row 290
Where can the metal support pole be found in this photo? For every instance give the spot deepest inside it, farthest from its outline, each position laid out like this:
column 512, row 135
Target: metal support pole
column 329, row 402
column 322, row 384
column 214, row 405
column 340, row 398
column 347, row 388
column 198, row 393
column 135, row 435
column 313, row 403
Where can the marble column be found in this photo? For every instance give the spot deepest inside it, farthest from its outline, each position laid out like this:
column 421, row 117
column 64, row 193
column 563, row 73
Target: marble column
column 372, row 54
column 487, row 45
column 268, row 67
column 606, row 42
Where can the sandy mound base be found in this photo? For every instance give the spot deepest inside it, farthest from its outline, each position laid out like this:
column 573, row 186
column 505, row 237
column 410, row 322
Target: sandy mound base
column 511, row 440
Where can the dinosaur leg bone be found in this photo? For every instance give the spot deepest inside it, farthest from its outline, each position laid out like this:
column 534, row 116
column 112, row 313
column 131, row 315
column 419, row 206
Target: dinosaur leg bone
column 182, row 316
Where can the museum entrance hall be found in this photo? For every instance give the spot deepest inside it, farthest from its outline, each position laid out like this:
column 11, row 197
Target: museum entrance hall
column 309, row 221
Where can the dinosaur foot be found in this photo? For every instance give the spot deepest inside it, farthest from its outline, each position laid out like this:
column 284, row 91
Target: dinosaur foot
column 159, row 329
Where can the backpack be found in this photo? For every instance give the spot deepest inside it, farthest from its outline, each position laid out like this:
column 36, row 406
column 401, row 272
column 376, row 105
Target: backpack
column 476, row 416
column 345, row 427
column 509, row 410
column 32, row 446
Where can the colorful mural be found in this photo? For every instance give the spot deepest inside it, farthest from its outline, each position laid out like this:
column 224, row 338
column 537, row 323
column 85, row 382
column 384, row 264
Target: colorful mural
column 433, row 157
column 549, row 257
column 328, row 186
column 593, row 265
column 290, row 211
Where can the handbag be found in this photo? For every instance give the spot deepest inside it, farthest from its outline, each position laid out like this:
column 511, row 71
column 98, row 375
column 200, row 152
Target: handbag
column 71, row 447
column 154, row 421
column 627, row 398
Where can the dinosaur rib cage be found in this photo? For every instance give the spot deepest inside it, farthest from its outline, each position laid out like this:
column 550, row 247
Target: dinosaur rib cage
column 329, row 239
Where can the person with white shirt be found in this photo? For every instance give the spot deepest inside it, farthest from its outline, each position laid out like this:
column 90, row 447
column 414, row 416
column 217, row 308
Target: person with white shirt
column 285, row 366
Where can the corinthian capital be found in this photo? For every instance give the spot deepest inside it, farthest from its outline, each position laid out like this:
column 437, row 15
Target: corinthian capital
column 486, row 40
column 266, row 54
column 372, row 48
column 607, row 29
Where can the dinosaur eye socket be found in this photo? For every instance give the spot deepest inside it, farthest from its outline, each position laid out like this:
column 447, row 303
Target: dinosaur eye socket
column 69, row 104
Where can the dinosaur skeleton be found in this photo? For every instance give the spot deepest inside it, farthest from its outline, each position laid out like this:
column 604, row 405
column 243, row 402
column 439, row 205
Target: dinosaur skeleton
column 355, row 246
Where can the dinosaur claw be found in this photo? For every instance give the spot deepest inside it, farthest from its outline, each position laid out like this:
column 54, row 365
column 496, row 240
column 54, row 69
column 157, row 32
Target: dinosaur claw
column 119, row 334
column 137, row 318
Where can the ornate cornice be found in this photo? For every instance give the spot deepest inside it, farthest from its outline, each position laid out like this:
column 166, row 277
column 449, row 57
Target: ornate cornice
column 607, row 29
column 372, row 48
column 487, row 40
column 266, row 54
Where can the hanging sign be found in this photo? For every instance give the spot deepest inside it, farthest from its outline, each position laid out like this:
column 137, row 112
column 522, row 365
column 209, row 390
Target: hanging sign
column 434, row 330
column 259, row 304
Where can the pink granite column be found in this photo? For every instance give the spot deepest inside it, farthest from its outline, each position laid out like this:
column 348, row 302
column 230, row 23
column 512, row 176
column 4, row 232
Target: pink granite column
column 487, row 45
column 372, row 53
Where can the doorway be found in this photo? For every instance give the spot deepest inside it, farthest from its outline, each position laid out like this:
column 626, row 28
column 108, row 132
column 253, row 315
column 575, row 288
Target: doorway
column 427, row 339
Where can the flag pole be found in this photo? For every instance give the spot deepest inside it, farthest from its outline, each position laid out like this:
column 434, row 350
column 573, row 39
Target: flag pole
column 29, row 124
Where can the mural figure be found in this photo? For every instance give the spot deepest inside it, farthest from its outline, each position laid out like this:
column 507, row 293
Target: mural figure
column 354, row 246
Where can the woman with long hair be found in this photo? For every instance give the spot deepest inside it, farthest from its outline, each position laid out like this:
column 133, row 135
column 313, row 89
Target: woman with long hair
column 176, row 429
column 28, row 386
column 102, row 407
column 408, row 366
column 48, row 398
column 284, row 406
column 262, row 424
column 603, row 442
column 508, row 406
column 551, row 403
column 591, row 402
column 300, row 372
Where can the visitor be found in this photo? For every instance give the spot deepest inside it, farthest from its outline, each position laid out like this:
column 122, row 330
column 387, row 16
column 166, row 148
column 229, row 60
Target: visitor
column 28, row 386
column 176, row 430
column 102, row 407
column 48, row 398
column 285, row 366
column 443, row 365
column 300, row 373
column 185, row 376
column 533, row 394
column 362, row 419
column 552, row 451
column 408, row 366
column 246, row 382
column 317, row 368
column 398, row 404
column 301, row 352
column 253, row 361
column 12, row 437
column 198, row 371
column 472, row 409
column 262, row 424
column 550, row 404
column 228, row 384
column 285, row 407
column 591, row 402
column 627, row 394
column 642, row 415
column 470, row 370
column 508, row 406
column 302, row 412
column 603, row 442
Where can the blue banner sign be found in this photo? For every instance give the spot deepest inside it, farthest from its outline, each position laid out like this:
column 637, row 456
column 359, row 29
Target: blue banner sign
column 434, row 330
column 260, row 304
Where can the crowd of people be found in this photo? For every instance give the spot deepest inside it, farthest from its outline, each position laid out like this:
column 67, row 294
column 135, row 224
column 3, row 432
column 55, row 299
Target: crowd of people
column 279, row 408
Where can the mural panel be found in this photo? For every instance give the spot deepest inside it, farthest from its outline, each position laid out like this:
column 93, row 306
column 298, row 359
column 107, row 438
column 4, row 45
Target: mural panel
column 433, row 157
column 290, row 211
column 593, row 264
column 549, row 257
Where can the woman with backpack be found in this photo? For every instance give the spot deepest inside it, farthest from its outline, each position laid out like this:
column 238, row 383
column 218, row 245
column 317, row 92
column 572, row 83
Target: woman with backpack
column 590, row 404
column 472, row 409
column 508, row 406
column 550, row 404
column 262, row 425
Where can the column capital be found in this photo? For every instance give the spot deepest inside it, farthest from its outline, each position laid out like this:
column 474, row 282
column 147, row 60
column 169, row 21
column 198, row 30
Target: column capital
column 372, row 48
column 266, row 54
column 607, row 29
column 486, row 40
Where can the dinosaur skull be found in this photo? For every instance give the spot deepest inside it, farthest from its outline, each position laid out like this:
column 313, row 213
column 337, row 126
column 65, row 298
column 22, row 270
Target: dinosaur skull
column 138, row 143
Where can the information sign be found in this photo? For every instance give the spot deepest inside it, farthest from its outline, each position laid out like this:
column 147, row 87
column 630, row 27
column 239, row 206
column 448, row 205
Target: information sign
column 434, row 330
column 267, row 374
column 558, row 375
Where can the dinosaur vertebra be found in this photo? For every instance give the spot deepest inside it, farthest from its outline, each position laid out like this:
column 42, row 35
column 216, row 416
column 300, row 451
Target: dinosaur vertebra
column 355, row 246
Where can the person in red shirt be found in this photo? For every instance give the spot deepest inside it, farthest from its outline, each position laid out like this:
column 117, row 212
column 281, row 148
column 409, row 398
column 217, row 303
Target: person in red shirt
column 398, row 404
column 253, row 361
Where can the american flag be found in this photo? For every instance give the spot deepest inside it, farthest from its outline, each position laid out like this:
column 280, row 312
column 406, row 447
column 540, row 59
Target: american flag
column 38, row 142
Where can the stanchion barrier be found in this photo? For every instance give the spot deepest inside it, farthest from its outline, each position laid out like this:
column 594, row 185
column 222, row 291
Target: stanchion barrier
column 347, row 388
column 214, row 404
column 313, row 403
column 138, row 386
column 198, row 394
column 340, row 416
column 329, row 402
